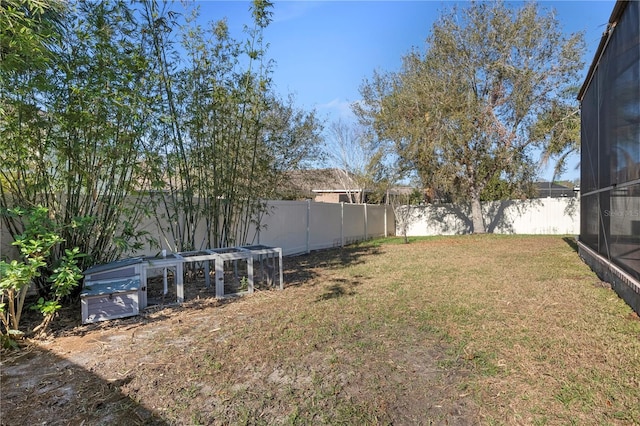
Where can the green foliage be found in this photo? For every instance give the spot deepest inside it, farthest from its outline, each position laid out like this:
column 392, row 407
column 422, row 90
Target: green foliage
column 28, row 30
column 212, row 108
column 71, row 133
column 222, row 140
column 467, row 114
column 498, row 188
column 559, row 129
column 46, row 307
column 415, row 197
column 140, row 112
column 67, row 274
column 35, row 244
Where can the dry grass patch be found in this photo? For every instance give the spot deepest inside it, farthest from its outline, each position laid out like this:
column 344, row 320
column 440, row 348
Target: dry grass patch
column 546, row 343
column 448, row 330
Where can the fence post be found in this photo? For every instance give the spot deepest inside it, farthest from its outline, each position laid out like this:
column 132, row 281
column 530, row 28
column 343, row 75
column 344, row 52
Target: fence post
column 308, row 226
column 342, row 224
column 366, row 229
column 386, row 232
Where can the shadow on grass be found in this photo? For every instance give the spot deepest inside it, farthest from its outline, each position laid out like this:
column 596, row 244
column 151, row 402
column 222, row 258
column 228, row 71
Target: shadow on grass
column 341, row 288
column 302, row 269
column 571, row 242
column 61, row 392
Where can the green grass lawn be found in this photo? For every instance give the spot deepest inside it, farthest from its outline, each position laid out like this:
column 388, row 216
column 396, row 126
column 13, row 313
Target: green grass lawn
column 469, row 329
column 544, row 341
column 487, row 329
column 518, row 329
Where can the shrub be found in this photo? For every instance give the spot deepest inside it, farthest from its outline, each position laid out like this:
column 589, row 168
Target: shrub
column 35, row 245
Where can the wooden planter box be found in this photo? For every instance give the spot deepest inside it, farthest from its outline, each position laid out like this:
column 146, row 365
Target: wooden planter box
column 101, row 301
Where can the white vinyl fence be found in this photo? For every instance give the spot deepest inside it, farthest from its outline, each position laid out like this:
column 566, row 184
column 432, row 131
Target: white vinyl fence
column 302, row 226
column 295, row 226
column 536, row 216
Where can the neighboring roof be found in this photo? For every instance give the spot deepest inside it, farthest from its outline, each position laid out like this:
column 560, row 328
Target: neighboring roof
column 550, row 189
column 618, row 10
column 306, row 182
column 401, row 190
column 396, row 190
column 317, row 181
column 340, row 190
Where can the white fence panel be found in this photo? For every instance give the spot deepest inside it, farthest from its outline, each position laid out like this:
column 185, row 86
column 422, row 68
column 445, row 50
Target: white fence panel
column 553, row 216
column 299, row 227
column 537, row 216
column 325, row 226
column 354, row 223
column 377, row 220
column 286, row 226
column 295, row 226
column 302, row 226
column 444, row 219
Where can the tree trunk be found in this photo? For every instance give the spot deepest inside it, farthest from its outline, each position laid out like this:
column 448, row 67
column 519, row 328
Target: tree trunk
column 476, row 216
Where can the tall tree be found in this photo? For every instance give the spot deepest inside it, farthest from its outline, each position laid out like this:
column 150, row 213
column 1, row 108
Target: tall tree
column 131, row 100
column 291, row 140
column 359, row 163
column 472, row 108
column 211, row 104
column 222, row 138
column 71, row 131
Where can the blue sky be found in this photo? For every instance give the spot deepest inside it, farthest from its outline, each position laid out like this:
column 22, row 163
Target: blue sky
column 323, row 50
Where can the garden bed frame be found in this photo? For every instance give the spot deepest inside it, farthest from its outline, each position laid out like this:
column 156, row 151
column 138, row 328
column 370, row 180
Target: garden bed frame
column 100, row 279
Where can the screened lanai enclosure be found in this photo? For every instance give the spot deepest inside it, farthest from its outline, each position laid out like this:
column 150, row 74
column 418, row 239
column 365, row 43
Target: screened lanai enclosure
column 610, row 155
